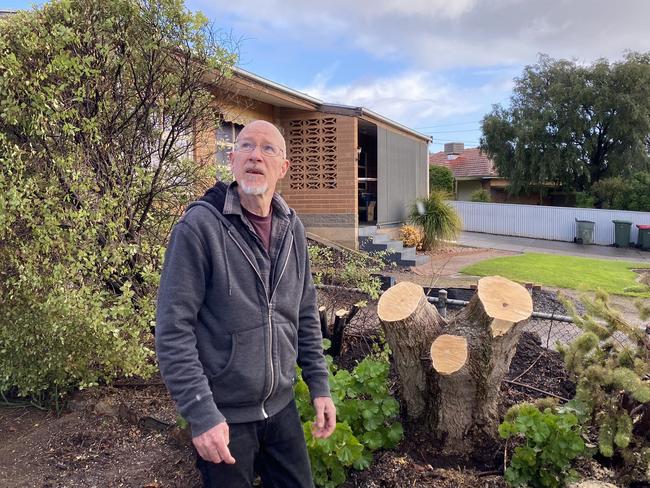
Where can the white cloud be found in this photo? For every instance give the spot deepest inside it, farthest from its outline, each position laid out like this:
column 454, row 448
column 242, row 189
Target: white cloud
column 412, row 97
column 445, row 34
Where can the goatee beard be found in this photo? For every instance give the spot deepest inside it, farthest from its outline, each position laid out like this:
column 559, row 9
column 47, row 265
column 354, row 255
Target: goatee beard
column 254, row 190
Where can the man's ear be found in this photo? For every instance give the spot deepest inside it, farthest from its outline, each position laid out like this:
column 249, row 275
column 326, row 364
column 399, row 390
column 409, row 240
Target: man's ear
column 285, row 167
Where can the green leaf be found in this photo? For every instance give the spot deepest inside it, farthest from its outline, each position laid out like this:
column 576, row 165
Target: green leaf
column 373, row 440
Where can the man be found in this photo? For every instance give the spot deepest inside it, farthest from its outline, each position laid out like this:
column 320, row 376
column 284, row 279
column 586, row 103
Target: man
column 236, row 312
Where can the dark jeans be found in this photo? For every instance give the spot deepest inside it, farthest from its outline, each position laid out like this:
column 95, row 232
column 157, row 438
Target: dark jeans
column 274, row 448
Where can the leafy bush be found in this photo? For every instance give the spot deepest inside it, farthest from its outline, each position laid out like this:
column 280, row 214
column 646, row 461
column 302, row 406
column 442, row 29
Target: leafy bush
column 98, row 99
column 438, row 220
column 611, row 364
column 624, row 194
column 637, row 195
column 347, row 268
column 441, row 178
column 411, row 236
column 606, row 191
column 481, row 195
column 585, row 200
column 366, row 419
column 550, row 441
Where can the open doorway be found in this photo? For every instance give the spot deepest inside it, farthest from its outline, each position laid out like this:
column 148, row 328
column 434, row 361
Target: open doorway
column 367, row 173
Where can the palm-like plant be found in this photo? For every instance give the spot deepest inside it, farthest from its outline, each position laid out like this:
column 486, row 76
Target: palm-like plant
column 438, row 219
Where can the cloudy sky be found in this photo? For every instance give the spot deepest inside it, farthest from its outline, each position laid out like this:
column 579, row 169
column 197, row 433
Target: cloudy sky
column 437, row 66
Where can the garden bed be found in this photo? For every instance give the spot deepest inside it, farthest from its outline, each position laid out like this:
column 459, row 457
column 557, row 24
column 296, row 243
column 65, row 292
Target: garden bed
column 122, row 435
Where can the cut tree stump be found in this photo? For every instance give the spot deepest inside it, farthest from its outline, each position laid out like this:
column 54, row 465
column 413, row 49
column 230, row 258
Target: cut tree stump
column 450, row 371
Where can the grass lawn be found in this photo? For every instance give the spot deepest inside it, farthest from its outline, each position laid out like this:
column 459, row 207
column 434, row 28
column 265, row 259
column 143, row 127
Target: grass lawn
column 565, row 272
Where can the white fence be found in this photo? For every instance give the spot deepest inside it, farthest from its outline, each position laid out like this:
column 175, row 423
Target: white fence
column 540, row 222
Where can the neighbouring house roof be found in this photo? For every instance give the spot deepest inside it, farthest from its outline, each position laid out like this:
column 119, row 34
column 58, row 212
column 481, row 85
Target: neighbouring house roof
column 468, row 164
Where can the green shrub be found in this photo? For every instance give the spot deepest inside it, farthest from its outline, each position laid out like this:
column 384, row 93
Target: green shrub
column 366, row 419
column 606, row 191
column 585, row 200
column 637, row 196
column 611, row 365
column 549, row 442
column 441, row 178
column 481, row 195
column 632, row 193
column 347, row 268
column 98, row 99
column 438, row 220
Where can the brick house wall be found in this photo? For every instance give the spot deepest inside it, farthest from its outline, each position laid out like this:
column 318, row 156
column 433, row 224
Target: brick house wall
column 330, row 210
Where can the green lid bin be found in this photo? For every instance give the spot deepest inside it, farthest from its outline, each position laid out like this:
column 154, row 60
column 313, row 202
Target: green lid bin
column 622, row 233
column 644, row 237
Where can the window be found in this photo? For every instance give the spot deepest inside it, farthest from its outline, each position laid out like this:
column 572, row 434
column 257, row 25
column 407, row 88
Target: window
column 227, row 133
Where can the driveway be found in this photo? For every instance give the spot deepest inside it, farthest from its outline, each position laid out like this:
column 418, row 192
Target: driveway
column 444, row 267
column 524, row 244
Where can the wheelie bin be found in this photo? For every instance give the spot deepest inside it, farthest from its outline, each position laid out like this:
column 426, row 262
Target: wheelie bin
column 584, row 232
column 622, row 233
column 643, row 240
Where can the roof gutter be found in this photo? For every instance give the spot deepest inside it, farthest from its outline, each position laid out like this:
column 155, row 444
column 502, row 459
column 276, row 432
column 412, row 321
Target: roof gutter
column 351, row 111
column 258, row 79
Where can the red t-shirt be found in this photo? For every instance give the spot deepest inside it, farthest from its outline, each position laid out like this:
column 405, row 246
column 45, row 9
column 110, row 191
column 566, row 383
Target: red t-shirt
column 262, row 226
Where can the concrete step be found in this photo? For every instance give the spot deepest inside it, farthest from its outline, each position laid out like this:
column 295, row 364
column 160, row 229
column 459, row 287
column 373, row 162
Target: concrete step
column 402, row 256
column 409, row 253
column 367, row 230
column 396, row 246
column 381, row 238
column 392, row 232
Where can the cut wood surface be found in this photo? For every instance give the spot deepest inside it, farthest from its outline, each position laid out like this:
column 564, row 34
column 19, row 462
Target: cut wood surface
column 504, row 301
column 399, row 301
column 448, row 353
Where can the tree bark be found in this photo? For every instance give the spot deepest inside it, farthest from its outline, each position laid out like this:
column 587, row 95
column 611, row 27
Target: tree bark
column 454, row 390
column 411, row 324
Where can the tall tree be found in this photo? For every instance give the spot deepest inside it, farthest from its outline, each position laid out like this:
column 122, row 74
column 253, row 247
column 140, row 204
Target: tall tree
column 99, row 103
column 572, row 125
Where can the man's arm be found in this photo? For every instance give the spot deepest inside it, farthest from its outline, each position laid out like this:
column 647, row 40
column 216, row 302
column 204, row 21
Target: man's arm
column 310, row 356
column 180, row 297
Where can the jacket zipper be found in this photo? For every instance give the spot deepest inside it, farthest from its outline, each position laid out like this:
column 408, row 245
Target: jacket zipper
column 270, row 308
column 286, row 261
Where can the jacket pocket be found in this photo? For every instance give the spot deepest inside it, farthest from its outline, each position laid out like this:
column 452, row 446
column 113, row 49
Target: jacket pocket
column 241, row 381
column 287, row 347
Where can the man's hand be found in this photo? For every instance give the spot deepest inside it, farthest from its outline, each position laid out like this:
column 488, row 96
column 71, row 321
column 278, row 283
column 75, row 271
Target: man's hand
column 212, row 445
column 325, row 417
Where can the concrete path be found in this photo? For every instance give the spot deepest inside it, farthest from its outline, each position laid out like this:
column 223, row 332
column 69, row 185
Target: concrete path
column 524, row 244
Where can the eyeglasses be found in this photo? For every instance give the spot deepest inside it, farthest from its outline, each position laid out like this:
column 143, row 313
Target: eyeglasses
column 267, row 149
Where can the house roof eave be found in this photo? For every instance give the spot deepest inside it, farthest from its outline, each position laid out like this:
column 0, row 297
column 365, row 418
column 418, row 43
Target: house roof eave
column 352, row 111
column 258, row 88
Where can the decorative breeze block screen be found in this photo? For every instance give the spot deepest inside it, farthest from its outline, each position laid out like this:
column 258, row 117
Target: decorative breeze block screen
column 313, row 150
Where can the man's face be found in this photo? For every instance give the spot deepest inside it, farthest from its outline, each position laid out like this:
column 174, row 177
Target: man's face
column 256, row 172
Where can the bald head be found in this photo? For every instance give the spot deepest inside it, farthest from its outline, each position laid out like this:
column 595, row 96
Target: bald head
column 267, row 128
column 258, row 161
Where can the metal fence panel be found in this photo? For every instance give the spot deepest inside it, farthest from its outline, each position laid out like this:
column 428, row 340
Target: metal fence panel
column 541, row 222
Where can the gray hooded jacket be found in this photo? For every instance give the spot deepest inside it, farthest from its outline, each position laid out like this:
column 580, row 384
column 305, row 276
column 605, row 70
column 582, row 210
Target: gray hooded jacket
column 228, row 332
